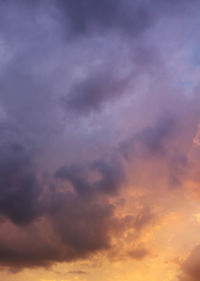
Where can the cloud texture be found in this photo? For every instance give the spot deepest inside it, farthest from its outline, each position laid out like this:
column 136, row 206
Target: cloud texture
column 99, row 100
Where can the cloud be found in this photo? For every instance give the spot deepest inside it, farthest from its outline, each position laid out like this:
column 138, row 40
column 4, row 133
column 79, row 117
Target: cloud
column 19, row 187
column 79, row 223
column 143, row 219
column 132, row 18
column 191, row 266
column 77, row 272
column 109, row 177
column 92, row 93
column 86, row 16
column 59, row 191
column 152, row 140
column 87, row 227
column 74, row 229
column 138, row 253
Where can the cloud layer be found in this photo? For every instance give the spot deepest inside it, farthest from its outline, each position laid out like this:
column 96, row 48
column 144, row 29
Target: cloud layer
column 95, row 107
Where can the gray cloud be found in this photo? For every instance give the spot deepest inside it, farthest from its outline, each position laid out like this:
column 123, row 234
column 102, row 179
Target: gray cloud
column 130, row 17
column 91, row 94
column 19, row 187
column 151, row 140
column 111, row 176
column 42, row 72
column 88, row 15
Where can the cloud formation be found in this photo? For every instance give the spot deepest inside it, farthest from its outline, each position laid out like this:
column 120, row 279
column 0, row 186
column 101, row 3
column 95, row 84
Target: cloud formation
column 20, row 189
column 190, row 267
column 92, row 114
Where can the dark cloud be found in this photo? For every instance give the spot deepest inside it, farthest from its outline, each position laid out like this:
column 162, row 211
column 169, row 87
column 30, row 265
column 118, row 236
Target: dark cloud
column 191, row 267
column 31, row 255
column 158, row 142
column 75, row 224
column 86, row 228
column 95, row 91
column 81, row 222
column 108, row 180
column 131, row 17
column 143, row 219
column 19, row 187
column 92, row 93
column 110, row 81
column 81, row 17
column 85, row 16
column 138, row 253
column 76, row 229
column 68, row 215
column 151, row 140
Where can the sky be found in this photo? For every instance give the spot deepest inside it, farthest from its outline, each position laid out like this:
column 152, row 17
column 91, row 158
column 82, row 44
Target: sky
column 99, row 140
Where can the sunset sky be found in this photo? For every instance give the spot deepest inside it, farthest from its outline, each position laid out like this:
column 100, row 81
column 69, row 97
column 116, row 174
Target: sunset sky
column 99, row 140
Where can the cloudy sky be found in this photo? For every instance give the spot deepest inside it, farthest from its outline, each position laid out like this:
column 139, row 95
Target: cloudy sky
column 99, row 140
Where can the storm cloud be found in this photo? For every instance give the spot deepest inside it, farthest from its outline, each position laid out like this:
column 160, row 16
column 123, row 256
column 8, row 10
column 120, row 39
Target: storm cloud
column 94, row 104
column 20, row 189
